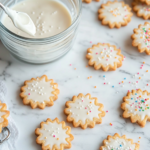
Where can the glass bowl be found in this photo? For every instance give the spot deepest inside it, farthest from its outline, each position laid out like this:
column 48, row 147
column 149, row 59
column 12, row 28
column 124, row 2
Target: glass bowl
column 39, row 51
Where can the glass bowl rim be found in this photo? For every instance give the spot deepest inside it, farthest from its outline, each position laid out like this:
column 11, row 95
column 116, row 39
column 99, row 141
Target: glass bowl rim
column 51, row 38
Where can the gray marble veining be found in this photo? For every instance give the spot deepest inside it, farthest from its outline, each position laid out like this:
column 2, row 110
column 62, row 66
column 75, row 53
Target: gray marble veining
column 72, row 82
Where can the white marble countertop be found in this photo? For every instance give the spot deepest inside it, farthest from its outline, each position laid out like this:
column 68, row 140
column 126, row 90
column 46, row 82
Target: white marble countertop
column 72, row 82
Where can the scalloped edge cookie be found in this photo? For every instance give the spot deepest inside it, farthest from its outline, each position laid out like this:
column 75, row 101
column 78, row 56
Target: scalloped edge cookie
column 135, row 118
column 89, row 1
column 54, row 147
column 146, row 1
column 135, row 4
column 109, row 67
column 33, row 103
column 137, row 44
column 115, row 24
column 116, row 135
column 4, row 123
column 88, row 123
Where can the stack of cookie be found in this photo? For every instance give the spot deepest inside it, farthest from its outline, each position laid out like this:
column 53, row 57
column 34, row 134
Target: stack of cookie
column 142, row 8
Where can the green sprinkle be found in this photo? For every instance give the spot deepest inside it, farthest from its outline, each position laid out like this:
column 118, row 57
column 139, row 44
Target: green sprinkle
column 147, row 107
column 142, row 110
column 141, row 107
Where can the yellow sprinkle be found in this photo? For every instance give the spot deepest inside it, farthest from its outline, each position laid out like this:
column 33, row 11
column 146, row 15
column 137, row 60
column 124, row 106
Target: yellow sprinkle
column 94, row 86
column 103, row 57
column 143, row 62
column 45, row 138
column 146, row 70
column 122, row 82
column 139, row 137
column 139, row 77
column 115, row 57
column 57, row 138
column 74, row 68
column 135, row 109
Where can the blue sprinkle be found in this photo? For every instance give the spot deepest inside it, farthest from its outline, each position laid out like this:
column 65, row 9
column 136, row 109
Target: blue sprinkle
column 113, row 86
column 132, row 98
column 140, row 110
column 136, row 101
column 124, row 78
column 120, row 145
column 135, row 93
column 104, row 76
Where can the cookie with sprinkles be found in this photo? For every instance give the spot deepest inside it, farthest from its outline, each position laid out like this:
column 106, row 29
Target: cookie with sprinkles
column 146, row 1
column 84, row 111
column 39, row 92
column 115, row 14
column 136, row 106
column 118, row 142
column 4, row 113
column 104, row 56
column 141, row 38
column 141, row 9
column 54, row 135
column 89, row 1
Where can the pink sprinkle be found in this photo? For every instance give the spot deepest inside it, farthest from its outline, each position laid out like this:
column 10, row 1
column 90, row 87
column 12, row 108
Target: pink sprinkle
column 111, row 50
column 130, row 105
column 129, row 82
column 29, row 94
column 137, row 97
column 125, row 15
column 139, row 103
column 128, row 90
column 107, row 111
column 138, row 73
column 85, row 107
column 104, row 48
column 70, row 64
column 136, row 81
column 140, row 67
column 119, row 82
column 90, row 41
column 82, row 100
column 104, row 83
column 107, row 59
column 96, row 53
column 53, row 135
column 135, row 106
column 90, row 110
column 124, row 56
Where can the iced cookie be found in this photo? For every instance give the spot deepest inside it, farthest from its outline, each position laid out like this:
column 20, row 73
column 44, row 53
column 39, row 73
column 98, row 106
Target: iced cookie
column 118, row 142
column 136, row 106
column 3, row 116
column 104, row 56
column 39, row 92
column 89, row 1
column 54, row 135
column 141, row 9
column 84, row 111
column 146, row 1
column 141, row 38
column 115, row 14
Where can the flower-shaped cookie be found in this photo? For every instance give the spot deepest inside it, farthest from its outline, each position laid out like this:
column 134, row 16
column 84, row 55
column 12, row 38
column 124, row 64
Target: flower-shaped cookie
column 136, row 106
column 104, row 56
column 146, row 1
column 141, row 9
column 89, row 1
column 115, row 14
column 141, row 38
column 3, row 116
column 39, row 92
column 118, row 142
column 54, row 135
column 84, row 111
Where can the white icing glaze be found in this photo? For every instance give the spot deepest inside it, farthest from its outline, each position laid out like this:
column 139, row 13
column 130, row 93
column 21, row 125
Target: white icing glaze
column 142, row 36
column 139, row 105
column 1, row 114
column 104, row 55
column 115, row 12
column 143, row 9
column 119, row 144
column 83, row 109
column 39, row 90
column 0, row 106
column 52, row 134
